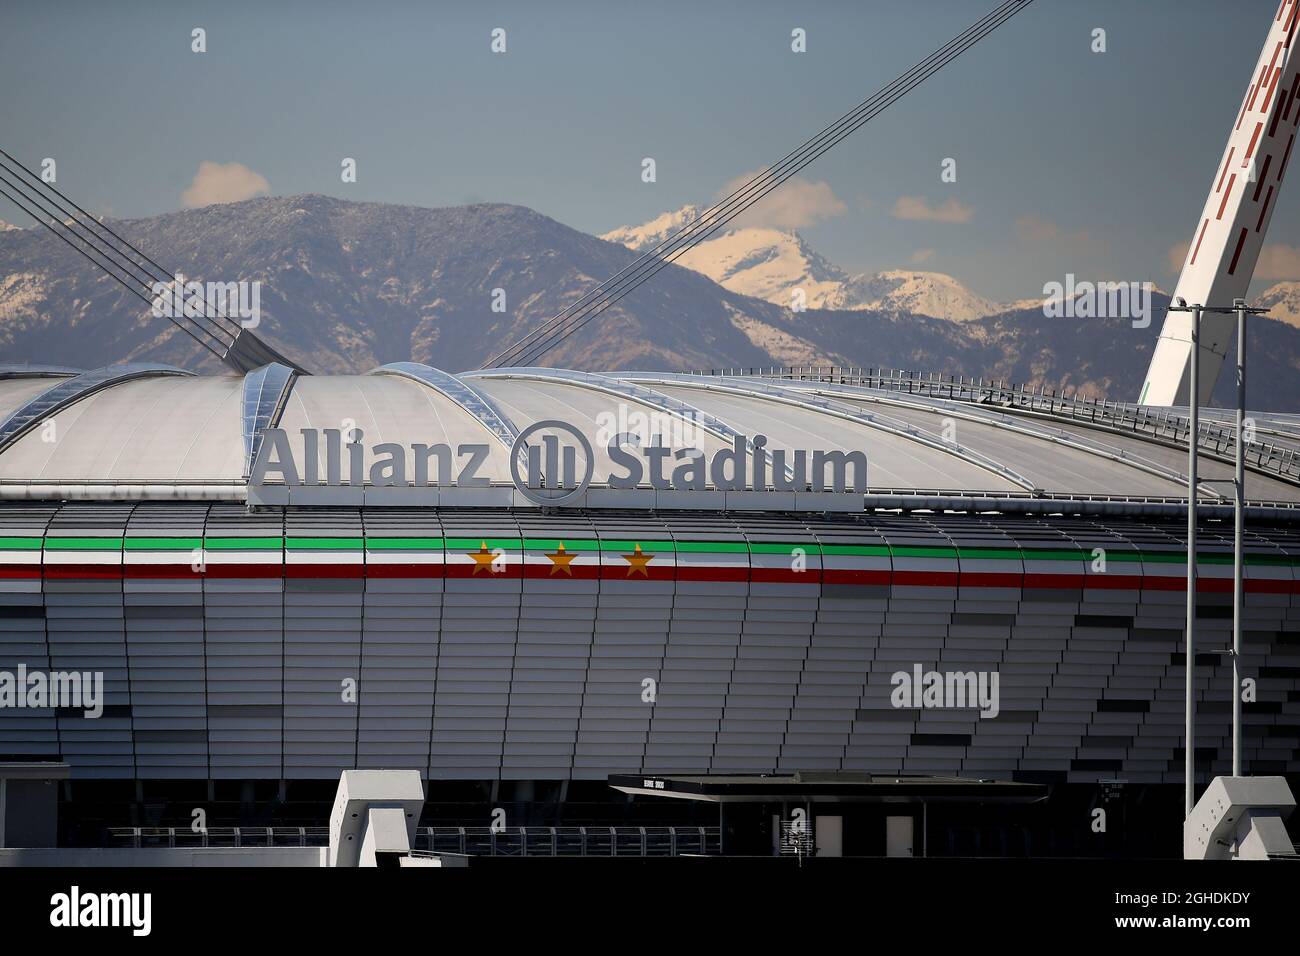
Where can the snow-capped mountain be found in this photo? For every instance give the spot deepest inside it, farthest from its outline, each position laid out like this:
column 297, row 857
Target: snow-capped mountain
column 1282, row 301
column 924, row 293
column 772, row 264
column 650, row 234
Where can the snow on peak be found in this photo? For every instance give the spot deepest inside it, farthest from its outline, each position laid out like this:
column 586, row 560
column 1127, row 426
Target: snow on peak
column 1282, row 301
column 772, row 264
column 923, row 293
column 648, row 235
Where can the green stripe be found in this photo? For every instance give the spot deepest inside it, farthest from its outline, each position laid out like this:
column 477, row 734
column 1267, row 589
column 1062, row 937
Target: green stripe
column 587, row 544
column 83, row 544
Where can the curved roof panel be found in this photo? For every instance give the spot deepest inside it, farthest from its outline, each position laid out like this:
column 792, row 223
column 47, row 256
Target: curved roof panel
column 389, row 408
column 173, row 428
column 152, row 429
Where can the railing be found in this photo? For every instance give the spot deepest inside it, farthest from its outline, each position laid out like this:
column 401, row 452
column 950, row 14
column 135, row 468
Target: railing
column 1165, row 425
column 570, row 841
column 474, row 841
column 139, row 837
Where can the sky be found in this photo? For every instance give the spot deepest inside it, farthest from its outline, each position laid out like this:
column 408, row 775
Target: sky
column 1067, row 160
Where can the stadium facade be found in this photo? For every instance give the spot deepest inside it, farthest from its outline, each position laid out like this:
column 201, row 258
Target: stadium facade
column 255, row 637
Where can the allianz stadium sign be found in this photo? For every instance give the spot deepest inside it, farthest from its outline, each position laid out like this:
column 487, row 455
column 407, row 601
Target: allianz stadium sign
column 551, row 464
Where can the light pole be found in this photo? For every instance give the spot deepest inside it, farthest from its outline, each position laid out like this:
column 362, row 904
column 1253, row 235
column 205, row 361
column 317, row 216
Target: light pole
column 1238, row 560
column 1193, row 449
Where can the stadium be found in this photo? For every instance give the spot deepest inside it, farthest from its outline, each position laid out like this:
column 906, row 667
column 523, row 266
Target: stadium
column 828, row 610
column 503, row 648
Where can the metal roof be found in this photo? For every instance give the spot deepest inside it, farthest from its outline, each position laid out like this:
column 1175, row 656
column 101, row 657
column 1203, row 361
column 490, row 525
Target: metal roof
column 149, row 432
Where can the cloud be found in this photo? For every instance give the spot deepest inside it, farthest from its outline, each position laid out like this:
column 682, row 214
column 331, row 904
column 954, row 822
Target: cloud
column 918, row 209
column 1178, row 255
column 1035, row 230
column 223, row 182
column 795, row 204
column 1278, row 262
column 922, row 255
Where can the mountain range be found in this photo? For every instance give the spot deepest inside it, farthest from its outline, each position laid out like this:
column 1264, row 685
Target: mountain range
column 347, row 286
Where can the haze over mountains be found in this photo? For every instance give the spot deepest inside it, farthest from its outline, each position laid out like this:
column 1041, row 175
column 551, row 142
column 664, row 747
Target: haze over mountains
column 347, row 286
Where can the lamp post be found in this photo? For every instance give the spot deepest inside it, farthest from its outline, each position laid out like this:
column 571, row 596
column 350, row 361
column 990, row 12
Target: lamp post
column 1239, row 503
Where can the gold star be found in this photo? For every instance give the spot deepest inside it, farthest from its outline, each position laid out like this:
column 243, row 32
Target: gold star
column 637, row 562
column 483, row 558
column 561, row 560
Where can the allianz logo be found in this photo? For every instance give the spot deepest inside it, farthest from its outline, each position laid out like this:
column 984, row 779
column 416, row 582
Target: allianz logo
column 552, row 462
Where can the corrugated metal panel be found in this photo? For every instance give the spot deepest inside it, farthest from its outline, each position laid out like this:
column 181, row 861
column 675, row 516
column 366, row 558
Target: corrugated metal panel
column 484, row 650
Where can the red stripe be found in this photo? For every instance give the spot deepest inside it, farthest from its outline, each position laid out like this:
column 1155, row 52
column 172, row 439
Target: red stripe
column 20, row 572
column 97, row 572
column 1254, row 90
column 1272, row 88
column 1226, row 163
column 1286, row 114
column 1236, row 256
column 1287, row 155
column 578, row 572
column 1290, row 29
column 405, row 570
column 1264, row 210
column 1277, row 51
column 989, row 579
column 1198, row 243
column 510, row 571
column 301, row 571
column 813, row 576
column 864, row 577
column 1223, row 204
column 1254, row 139
column 1271, row 586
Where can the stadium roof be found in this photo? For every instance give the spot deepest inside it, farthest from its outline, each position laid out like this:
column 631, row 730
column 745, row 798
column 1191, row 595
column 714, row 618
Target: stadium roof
column 155, row 432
